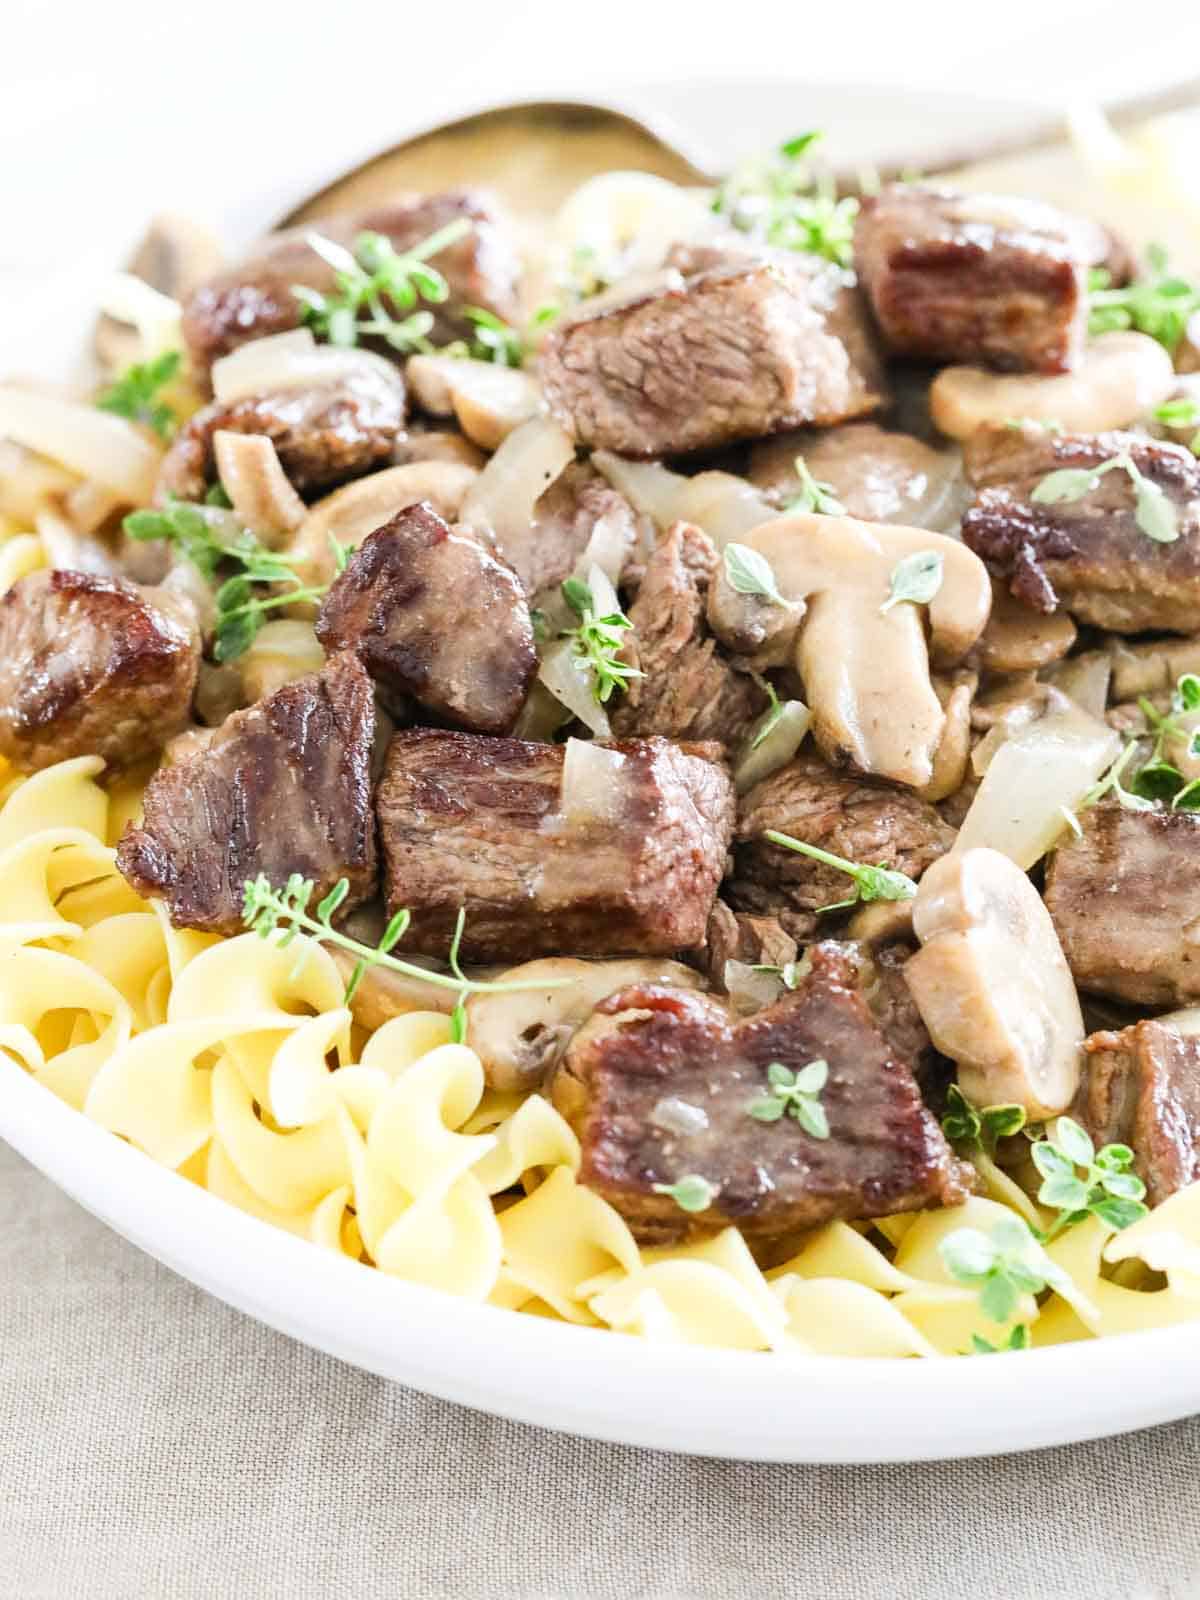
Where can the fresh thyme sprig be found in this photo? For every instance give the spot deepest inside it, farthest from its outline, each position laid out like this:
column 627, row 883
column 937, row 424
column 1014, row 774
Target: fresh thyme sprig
column 1003, row 1264
column 769, row 720
column 1108, row 1189
column 597, row 642
column 814, row 494
column 1154, row 511
column 493, row 340
column 267, row 910
column 749, row 572
column 371, row 280
column 871, row 883
column 781, row 201
column 135, row 394
column 978, row 1128
column 1018, row 1339
column 1110, row 783
column 1159, row 303
column 795, row 1094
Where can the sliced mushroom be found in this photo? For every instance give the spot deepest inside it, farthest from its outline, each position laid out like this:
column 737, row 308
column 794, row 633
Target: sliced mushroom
column 350, row 513
column 489, row 401
column 953, row 752
column 1018, row 639
column 993, row 986
column 865, row 668
column 1121, row 376
column 438, row 445
column 519, row 1037
column 262, row 496
column 1150, row 668
column 722, row 504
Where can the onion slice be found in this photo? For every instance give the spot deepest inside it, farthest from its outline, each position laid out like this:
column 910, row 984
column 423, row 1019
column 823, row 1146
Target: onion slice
column 502, row 498
column 783, row 738
column 263, row 498
column 590, row 783
column 93, row 443
column 726, row 507
column 489, row 401
column 292, row 360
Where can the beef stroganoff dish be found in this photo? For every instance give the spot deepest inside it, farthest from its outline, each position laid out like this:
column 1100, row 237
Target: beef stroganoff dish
column 645, row 771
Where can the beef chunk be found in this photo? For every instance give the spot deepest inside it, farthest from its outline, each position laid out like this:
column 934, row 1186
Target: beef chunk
column 977, row 278
column 436, row 619
column 478, row 823
column 857, row 818
column 255, row 298
column 689, row 690
column 1089, row 555
column 1125, row 900
column 754, row 941
column 651, row 1052
column 1141, row 1087
column 734, row 352
column 282, row 787
column 322, row 435
column 564, row 520
column 92, row 666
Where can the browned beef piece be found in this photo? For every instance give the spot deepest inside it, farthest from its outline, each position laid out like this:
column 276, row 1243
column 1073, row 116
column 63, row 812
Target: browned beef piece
column 322, row 435
column 689, row 690
column 478, row 823
column 857, row 818
column 1089, row 555
column 282, row 787
column 651, row 1052
column 92, row 666
column 1141, row 1087
column 564, row 521
column 734, row 352
column 754, row 941
column 1125, row 899
column 890, row 1002
column 435, row 619
column 977, row 278
column 255, row 297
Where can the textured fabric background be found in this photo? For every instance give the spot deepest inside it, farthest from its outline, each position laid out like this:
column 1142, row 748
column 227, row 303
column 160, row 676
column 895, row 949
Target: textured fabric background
column 156, row 1446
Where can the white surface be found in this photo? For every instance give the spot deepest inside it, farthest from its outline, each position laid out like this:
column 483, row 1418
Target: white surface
column 715, row 1402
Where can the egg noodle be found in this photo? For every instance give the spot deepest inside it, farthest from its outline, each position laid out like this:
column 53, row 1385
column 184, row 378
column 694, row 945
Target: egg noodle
column 212, row 1056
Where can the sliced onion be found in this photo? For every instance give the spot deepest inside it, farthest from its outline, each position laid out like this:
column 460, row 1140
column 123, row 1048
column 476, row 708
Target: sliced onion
column 489, row 401
column 263, row 498
column 19, row 556
column 540, row 717
column 282, row 651
column 292, row 360
column 89, row 505
column 154, row 316
column 28, row 481
column 649, row 487
column 591, row 783
column 93, row 443
column 502, row 498
column 571, row 685
column 750, row 991
column 1033, row 778
column 776, row 750
column 1084, row 679
column 70, row 550
column 726, row 507
column 627, row 222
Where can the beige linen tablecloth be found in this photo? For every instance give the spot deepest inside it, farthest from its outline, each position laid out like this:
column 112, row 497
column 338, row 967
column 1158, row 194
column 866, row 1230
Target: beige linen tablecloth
column 155, row 1445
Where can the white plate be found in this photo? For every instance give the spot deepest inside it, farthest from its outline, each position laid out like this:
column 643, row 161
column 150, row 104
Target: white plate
column 720, row 1403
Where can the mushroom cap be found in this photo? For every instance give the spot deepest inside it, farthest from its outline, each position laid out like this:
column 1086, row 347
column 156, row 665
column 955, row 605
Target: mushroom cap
column 489, row 401
column 993, row 986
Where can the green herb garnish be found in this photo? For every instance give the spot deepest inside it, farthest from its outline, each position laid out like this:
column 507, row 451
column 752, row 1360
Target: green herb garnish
column 372, row 280
column 781, row 201
column 795, row 1094
column 769, row 720
column 814, row 494
column 597, row 641
column 750, row 573
column 917, row 578
column 1110, row 783
column 1154, row 511
column 1159, row 304
column 691, row 1193
column 135, row 393
column 1018, row 1339
column 789, row 974
column 1108, row 1189
column 974, row 1127
column 872, row 883
column 1003, row 1264
column 493, row 340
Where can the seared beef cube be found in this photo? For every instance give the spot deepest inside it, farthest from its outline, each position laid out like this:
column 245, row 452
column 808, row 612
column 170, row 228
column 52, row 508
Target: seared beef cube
column 1090, row 555
column 92, row 666
column 860, row 819
column 479, row 824
column 976, row 278
column 282, row 787
column 1141, row 1087
column 1125, row 899
column 255, row 297
column 564, row 520
column 754, row 941
column 660, row 1083
column 436, row 619
column 688, row 689
column 322, row 435
column 732, row 353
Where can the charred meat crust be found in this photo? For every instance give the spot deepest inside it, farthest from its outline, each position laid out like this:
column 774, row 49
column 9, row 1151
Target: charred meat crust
column 689, row 690
column 283, row 787
column 1141, row 1087
column 478, row 823
column 857, row 818
column 436, row 619
column 1089, row 555
column 255, row 298
column 1125, row 902
column 648, row 1045
column 735, row 352
column 92, row 666
column 976, row 279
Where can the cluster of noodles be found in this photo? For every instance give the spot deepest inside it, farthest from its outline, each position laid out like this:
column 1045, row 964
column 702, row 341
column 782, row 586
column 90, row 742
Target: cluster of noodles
column 213, row 1056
